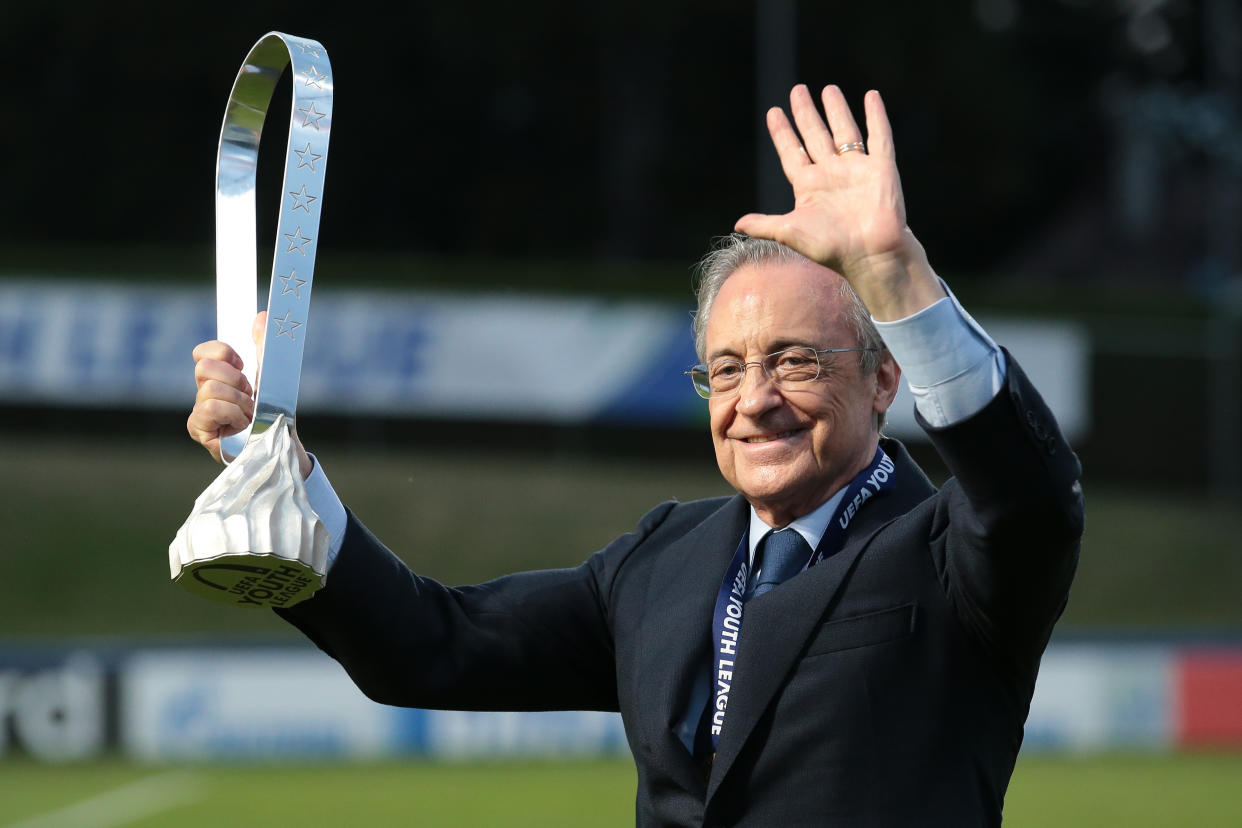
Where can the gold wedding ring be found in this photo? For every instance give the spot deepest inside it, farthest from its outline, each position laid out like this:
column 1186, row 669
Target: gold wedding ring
column 850, row 147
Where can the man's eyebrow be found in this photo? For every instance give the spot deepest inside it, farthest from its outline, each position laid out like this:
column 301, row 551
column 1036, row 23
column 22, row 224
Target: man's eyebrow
column 771, row 348
column 783, row 344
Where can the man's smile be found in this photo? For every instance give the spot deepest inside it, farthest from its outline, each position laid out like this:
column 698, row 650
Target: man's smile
column 770, row 436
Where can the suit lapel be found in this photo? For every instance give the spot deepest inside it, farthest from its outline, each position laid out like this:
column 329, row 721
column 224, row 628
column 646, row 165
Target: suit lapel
column 676, row 631
column 775, row 626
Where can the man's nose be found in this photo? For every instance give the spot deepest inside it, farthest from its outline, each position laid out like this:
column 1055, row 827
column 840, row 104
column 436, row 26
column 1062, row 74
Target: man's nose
column 757, row 392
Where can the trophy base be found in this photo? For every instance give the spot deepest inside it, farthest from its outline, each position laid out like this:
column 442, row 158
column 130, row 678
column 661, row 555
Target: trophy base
column 250, row 580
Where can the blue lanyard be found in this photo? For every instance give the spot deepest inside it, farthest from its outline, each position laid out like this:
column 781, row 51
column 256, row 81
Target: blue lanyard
column 877, row 478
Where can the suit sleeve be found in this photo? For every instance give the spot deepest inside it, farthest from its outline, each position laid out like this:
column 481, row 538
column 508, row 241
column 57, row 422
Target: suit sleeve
column 530, row 641
column 1009, row 526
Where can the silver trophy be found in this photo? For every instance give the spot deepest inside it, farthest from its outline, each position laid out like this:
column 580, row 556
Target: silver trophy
column 252, row 538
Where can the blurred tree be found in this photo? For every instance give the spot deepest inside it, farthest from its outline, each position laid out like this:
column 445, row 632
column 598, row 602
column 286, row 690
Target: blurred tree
column 616, row 130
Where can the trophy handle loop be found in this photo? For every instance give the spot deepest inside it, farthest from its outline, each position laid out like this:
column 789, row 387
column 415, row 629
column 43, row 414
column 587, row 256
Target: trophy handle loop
column 297, row 232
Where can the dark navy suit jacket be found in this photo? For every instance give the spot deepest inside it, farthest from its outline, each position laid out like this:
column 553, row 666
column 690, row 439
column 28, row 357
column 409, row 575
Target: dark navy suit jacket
column 887, row 686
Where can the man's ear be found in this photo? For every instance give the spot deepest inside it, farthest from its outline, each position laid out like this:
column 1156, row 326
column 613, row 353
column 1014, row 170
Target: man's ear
column 887, row 380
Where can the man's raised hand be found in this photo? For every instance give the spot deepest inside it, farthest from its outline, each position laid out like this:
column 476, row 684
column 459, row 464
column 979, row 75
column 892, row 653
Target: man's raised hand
column 849, row 213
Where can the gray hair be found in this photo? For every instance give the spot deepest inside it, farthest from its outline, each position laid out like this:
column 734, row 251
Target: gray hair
column 732, row 252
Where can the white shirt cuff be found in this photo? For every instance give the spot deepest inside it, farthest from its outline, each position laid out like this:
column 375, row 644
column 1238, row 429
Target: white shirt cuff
column 327, row 505
column 952, row 366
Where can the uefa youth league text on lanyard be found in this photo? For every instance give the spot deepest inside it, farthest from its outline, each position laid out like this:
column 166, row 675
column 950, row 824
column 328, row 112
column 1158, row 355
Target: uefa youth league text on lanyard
column 874, row 480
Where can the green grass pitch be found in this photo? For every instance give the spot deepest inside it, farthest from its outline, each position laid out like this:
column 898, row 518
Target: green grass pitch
column 1153, row 560
column 1114, row 790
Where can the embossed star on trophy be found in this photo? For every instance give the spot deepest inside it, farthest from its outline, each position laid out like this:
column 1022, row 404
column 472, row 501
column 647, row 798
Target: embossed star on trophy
column 252, row 538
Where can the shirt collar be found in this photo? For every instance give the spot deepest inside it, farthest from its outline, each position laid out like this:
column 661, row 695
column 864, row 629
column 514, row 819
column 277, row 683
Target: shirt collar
column 811, row 526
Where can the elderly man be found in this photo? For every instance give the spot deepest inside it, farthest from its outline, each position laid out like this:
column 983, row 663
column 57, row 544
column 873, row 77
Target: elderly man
column 839, row 644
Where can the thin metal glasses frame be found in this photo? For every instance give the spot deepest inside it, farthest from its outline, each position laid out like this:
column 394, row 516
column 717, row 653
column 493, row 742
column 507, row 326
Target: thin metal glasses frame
column 701, row 382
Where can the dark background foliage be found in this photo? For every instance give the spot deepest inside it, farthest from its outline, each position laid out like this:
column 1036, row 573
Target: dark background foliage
column 614, row 130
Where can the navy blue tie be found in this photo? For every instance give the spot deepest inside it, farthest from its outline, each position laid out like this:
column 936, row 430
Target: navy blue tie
column 782, row 556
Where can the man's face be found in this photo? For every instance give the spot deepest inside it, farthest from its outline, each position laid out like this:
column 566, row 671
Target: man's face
column 788, row 450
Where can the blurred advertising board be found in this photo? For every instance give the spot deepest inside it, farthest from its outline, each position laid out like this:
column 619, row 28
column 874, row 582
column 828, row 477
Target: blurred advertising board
column 55, row 705
column 535, row 359
column 1088, row 696
column 298, row 704
column 172, row 703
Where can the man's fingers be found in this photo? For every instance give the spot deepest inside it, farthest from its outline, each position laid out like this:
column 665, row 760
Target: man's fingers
column 212, row 369
column 753, row 224
column 879, row 130
column 217, row 350
column 258, row 327
column 224, row 402
column 763, row 226
column 215, row 390
column 784, row 229
column 815, row 135
column 213, row 417
column 788, row 146
column 209, row 442
column 840, row 119
column 257, row 330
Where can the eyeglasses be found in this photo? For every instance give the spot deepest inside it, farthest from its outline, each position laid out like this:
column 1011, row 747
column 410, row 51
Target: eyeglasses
column 723, row 377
